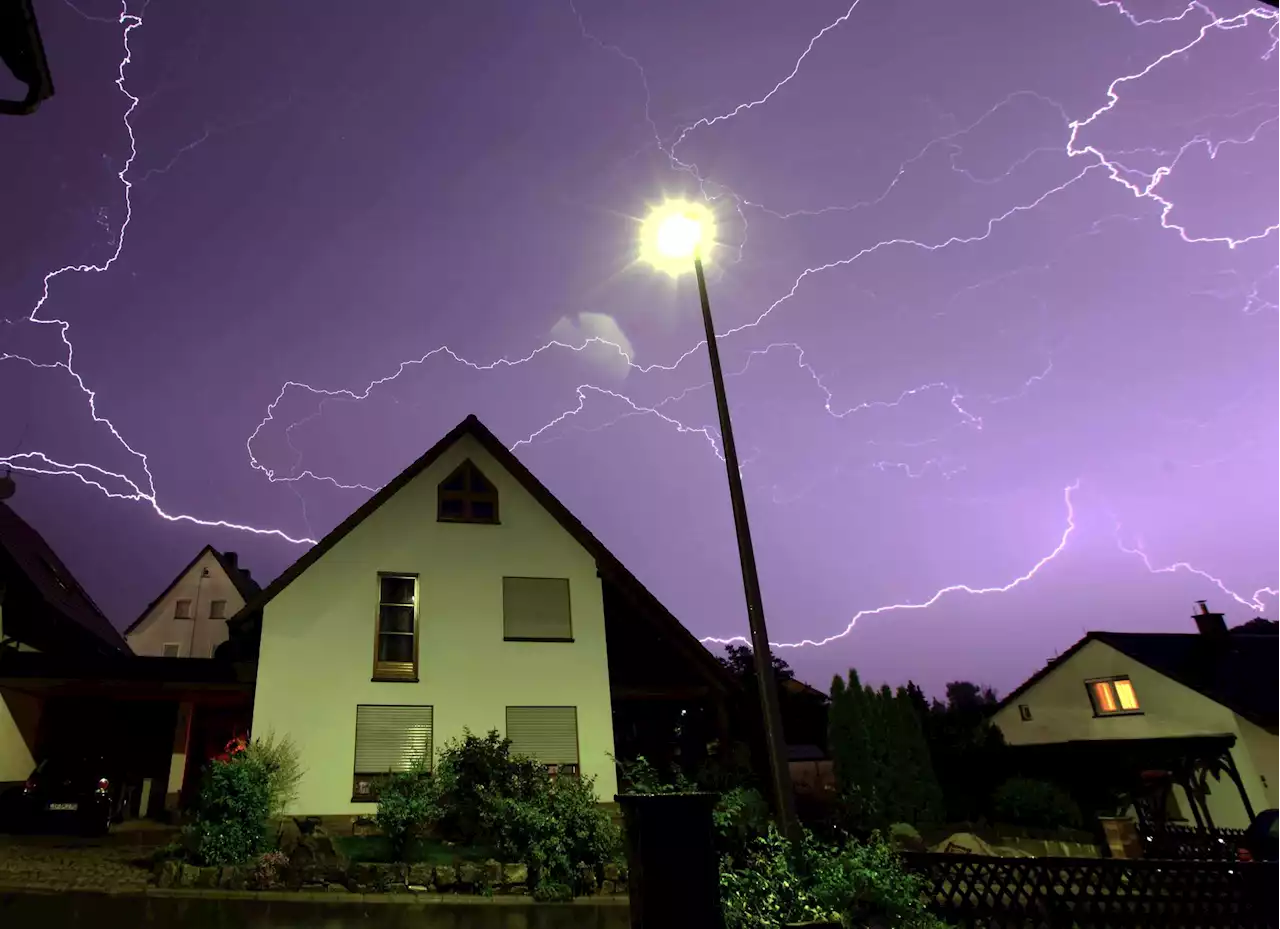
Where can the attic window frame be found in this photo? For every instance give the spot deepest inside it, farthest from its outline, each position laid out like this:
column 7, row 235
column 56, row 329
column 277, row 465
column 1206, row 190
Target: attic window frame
column 1101, row 712
column 467, row 497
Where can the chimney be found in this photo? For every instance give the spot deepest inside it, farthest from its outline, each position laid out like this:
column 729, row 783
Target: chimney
column 1210, row 625
column 231, row 558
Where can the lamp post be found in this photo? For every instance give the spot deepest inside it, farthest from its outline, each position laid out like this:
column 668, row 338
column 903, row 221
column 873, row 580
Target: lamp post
column 673, row 239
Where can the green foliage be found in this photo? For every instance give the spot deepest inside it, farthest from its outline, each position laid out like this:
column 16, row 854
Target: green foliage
column 1038, row 804
column 740, row 817
column 284, row 771
column 230, row 827
column 483, row 794
column 853, row 882
column 640, row 776
column 469, row 774
column 968, row 751
column 405, row 806
column 883, row 768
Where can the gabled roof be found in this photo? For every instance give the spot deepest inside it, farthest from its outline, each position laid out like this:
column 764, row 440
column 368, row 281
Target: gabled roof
column 1238, row 672
column 244, row 585
column 51, row 579
column 609, row 567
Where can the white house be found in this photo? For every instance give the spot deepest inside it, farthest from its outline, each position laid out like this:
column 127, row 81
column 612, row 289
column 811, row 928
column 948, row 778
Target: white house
column 189, row 618
column 462, row 595
column 1187, row 704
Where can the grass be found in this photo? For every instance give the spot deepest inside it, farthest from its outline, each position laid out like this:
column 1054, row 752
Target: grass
column 377, row 850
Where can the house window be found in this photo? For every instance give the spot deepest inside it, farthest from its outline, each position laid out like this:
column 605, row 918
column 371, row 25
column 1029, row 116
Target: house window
column 536, row 609
column 1025, row 712
column 388, row 738
column 172, row 650
column 1113, row 696
column 395, row 655
column 466, row 496
column 218, row 609
column 182, row 609
column 547, row 734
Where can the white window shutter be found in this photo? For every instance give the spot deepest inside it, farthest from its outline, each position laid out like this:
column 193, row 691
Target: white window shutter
column 548, row 734
column 391, row 738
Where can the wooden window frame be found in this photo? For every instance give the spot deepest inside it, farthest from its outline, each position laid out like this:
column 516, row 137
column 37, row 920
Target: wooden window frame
column 531, row 638
column 178, row 612
column 1098, row 710
column 467, row 497
column 377, row 779
column 220, row 612
column 396, row 672
column 1024, row 712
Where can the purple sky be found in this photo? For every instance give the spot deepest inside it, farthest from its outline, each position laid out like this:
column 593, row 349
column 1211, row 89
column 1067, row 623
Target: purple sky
column 947, row 306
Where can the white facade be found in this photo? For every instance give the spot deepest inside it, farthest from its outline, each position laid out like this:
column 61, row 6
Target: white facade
column 317, row 653
column 1061, row 711
column 190, row 618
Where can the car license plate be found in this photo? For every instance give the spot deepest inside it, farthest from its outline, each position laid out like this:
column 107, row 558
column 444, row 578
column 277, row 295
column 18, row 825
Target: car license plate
column 64, row 806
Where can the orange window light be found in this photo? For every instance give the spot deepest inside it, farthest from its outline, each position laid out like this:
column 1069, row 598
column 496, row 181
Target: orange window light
column 1105, row 696
column 1128, row 699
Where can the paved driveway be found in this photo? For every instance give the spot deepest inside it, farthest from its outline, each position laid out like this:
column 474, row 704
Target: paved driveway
column 116, row 862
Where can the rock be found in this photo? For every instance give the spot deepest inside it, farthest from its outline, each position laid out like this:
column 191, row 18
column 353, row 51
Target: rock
column 515, row 875
column 607, row 887
column 316, row 860
column 611, row 871
column 168, row 873
column 905, row 837
column 419, row 874
column 312, row 888
column 468, row 874
column 445, row 876
column 187, row 875
column 335, row 888
column 208, row 877
column 492, row 872
column 238, row 879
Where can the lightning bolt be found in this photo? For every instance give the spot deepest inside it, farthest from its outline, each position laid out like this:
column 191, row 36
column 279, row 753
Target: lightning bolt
column 119, row 486
column 1253, row 601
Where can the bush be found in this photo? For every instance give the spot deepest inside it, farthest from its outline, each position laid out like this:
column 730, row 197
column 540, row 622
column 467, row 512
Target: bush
column 284, row 772
column 482, row 794
column 267, row 870
column 857, row 883
column 1038, row 804
column 405, row 807
column 741, row 816
column 639, row 776
column 231, row 819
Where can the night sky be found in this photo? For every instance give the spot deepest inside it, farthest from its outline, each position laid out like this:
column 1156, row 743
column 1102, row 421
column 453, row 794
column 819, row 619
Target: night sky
column 997, row 285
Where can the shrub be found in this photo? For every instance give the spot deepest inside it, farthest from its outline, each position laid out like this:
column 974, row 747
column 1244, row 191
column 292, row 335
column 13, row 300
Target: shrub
column 231, row 820
column 284, row 772
column 482, row 794
column 639, row 776
column 405, row 806
column 740, row 817
column 857, row 883
column 1038, row 804
column 469, row 773
column 268, row 869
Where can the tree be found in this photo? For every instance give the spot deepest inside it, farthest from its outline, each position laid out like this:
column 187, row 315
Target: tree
column 968, row 751
column 1257, row 626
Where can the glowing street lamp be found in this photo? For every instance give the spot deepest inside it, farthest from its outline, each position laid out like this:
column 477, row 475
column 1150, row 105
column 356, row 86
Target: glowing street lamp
column 674, row 239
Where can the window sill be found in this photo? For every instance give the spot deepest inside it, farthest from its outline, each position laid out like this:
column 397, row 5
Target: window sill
column 1097, row 715
column 393, row 680
column 464, row 522
column 518, row 638
column 364, row 799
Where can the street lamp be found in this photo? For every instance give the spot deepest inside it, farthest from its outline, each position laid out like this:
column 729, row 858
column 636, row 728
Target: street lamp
column 674, row 238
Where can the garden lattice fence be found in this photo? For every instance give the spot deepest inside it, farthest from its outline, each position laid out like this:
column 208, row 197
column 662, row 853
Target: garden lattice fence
column 976, row 892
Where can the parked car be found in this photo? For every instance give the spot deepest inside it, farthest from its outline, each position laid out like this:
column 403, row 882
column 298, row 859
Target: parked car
column 1259, row 842
column 70, row 793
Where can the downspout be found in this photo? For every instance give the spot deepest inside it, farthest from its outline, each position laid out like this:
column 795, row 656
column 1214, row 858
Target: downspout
column 1234, row 773
column 195, row 613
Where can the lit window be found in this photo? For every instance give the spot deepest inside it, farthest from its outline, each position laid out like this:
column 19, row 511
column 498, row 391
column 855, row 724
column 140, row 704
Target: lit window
column 466, row 496
column 182, row 609
column 1113, row 696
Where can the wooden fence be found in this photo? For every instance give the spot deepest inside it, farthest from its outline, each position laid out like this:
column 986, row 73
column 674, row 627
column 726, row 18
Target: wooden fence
column 975, row 892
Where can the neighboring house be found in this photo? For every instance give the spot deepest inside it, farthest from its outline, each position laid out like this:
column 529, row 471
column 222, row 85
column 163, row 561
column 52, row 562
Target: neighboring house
column 463, row 595
column 189, row 619
column 42, row 609
column 1194, row 712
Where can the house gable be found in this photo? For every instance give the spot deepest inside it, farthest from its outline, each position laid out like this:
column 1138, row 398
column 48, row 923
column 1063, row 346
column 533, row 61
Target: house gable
column 1060, row 708
column 317, row 662
column 207, row 592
